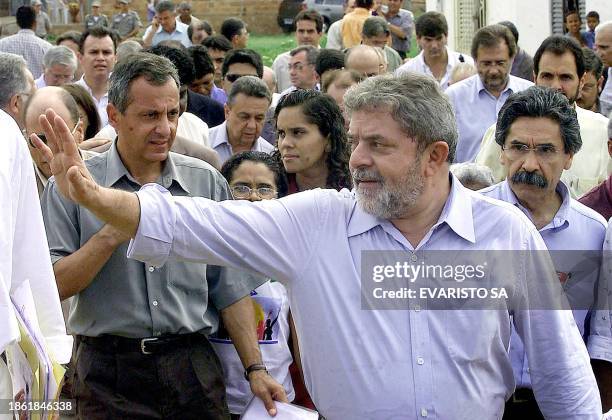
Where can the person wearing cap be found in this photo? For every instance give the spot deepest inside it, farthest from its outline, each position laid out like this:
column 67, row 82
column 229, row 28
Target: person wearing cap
column 43, row 23
column 126, row 22
column 376, row 33
column 96, row 18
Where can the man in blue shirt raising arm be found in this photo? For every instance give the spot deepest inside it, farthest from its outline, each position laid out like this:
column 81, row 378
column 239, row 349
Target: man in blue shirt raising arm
column 364, row 364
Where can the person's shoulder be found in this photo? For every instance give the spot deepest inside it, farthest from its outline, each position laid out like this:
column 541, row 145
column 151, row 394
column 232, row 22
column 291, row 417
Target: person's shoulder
column 519, row 83
column 591, row 217
column 594, row 117
column 185, row 163
column 492, row 191
column 489, row 208
column 282, row 56
column 462, row 86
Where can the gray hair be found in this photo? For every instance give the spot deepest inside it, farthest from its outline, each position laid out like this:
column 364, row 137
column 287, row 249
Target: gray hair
column 61, row 55
column 311, row 53
column 156, row 69
column 603, row 26
column 12, row 77
column 164, row 6
column 127, row 47
column 374, row 26
column 473, row 173
column 414, row 101
column 540, row 102
column 249, row 86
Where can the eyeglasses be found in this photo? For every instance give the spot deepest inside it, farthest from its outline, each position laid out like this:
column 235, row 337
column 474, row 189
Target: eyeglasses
column 233, row 77
column 297, row 66
column 43, row 138
column 544, row 152
column 244, row 191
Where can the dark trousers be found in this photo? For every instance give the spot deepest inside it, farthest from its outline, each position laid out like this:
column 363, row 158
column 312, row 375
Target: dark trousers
column 185, row 382
column 522, row 406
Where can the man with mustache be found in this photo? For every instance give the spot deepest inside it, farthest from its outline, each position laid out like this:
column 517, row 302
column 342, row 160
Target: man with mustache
column 539, row 134
column 413, row 363
column 559, row 64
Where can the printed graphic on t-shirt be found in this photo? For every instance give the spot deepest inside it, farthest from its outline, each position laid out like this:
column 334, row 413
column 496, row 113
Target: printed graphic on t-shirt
column 267, row 311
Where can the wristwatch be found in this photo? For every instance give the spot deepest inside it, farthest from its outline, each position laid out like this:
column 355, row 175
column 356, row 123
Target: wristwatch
column 253, row 368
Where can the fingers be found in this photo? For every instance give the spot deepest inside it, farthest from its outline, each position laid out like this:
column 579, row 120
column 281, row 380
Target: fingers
column 93, row 143
column 45, row 123
column 44, row 149
column 280, row 395
column 269, row 403
column 62, row 134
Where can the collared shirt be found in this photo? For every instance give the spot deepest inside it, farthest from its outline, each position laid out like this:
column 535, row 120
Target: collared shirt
column 26, row 44
column 590, row 166
column 600, row 199
column 126, row 23
column 382, row 363
column 600, row 340
column 129, row 298
column 352, row 24
column 91, row 21
column 218, row 95
column 280, row 66
column 25, row 267
column 405, row 20
column 605, row 98
column 220, row 142
column 418, row 65
column 179, row 34
column 574, row 227
column 476, row 109
column 100, row 104
column 40, row 82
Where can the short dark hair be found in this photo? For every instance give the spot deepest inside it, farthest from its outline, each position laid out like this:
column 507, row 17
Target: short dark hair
column 26, row 17
column 74, row 36
column 431, row 24
column 99, row 31
column 202, row 62
column 203, row 24
column 571, row 12
column 512, row 28
column 84, row 100
column 243, row 55
column 491, row 36
column 367, row 4
column 217, row 42
column 231, row 27
column 540, row 102
column 164, row 6
column 559, row 45
column 311, row 15
column 329, row 59
column 593, row 14
column 375, row 26
column 181, row 59
column 156, row 69
column 592, row 63
column 230, row 166
column 311, row 53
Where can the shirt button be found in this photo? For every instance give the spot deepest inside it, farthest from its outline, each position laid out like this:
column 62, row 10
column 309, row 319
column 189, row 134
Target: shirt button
column 413, row 258
column 423, row 412
column 151, row 269
column 155, row 303
column 420, row 361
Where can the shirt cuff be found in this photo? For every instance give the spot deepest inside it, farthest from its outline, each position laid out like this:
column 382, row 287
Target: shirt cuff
column 155, row 233
column 600, row 347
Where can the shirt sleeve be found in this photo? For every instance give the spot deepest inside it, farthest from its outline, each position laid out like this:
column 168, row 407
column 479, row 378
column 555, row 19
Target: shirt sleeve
column 61, row 223
column 274, row 238
column 561, row 376
column 406, row 24
column 600, row 338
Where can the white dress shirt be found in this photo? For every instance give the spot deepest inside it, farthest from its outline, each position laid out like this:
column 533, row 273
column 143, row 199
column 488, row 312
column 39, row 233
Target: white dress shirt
column 418, row 65
column 100, row 104
column 574, row 227
column 40, row 82
column 221, row 144
column 24, row 253
column 605, row 99
column 361, row 363
column 590, row 166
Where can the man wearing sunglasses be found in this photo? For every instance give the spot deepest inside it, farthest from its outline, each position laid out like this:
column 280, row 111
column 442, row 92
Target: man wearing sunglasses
column 238, row 63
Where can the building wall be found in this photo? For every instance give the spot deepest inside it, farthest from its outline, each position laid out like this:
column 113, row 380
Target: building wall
column 603, row 7
column 260, row 15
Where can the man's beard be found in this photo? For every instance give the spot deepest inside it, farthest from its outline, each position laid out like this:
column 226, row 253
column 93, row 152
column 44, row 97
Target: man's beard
column 389, row 201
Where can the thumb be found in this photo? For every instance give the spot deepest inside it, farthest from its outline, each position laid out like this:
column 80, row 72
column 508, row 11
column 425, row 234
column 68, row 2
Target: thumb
column 80, row 185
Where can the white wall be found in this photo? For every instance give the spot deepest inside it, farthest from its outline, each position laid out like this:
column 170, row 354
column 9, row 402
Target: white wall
column 447, row 8
column 603, row 7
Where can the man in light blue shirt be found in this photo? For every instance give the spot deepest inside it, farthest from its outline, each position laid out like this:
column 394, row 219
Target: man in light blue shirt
column 542, row 121
column 359, row 361
column 245, row 113
column 478, row 99
column 165, row 27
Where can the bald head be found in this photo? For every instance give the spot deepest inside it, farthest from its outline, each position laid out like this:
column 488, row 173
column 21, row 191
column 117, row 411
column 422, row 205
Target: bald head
column 366, row 60
column 63, row 104
column 603, row 42
column 269, row 78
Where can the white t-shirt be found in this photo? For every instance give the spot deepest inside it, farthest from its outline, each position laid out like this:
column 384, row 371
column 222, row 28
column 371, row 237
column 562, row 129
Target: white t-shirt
column 271, row 311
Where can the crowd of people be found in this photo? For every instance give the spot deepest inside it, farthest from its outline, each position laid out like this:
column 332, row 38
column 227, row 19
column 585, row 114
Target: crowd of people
column 194, row 228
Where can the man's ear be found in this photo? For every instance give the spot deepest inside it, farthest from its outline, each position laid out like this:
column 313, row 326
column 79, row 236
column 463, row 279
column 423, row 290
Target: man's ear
column 113, row 115
column 79, row 133
column 435, row 155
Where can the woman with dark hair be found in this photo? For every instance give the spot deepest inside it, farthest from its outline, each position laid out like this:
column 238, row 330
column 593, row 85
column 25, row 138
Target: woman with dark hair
column 87, row 109
column 312, row 143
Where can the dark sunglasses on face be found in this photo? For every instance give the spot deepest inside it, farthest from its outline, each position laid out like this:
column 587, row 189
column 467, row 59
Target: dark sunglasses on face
column 233, row 77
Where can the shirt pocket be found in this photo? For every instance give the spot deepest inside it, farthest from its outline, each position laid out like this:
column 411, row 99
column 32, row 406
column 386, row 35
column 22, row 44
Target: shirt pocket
column 472, row 336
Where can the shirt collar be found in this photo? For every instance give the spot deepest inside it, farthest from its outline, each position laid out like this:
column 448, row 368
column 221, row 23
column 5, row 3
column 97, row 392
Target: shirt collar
column 457, row 214
column 177, row 28
column 221, row 138
column 26, row 31
column 561, row 217
column 115, row 170
column 510, row 86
